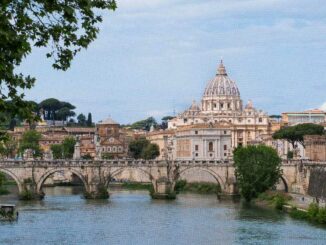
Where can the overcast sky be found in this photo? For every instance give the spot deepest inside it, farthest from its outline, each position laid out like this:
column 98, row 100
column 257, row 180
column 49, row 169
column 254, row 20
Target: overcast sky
column 155, row 56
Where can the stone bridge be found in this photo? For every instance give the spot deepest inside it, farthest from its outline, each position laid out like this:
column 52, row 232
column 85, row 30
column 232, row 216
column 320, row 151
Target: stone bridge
column 96, row 175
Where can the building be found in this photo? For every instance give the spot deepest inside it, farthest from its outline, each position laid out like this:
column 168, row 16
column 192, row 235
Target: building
column 203, row 142
column 221, row 103
column 164, row 140
column 315, row 147
column 110, row 140
column 310, row 116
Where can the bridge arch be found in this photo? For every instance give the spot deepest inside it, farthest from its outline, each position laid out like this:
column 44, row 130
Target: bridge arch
column 285, row 183
column 14, row 177
column 215, row 175
column 52, row 171
column 120, row 170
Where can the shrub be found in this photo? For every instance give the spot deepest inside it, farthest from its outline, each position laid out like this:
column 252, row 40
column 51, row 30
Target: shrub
column 279, row 201
column 298, row 214
column 321, row 216
column 313, row 211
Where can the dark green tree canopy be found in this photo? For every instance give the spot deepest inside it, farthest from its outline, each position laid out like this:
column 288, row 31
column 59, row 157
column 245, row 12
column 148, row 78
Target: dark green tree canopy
column 257, row 169
column 62, row 27
column 81, row 119
column 144, row 124
column 143, row 148
column 295, row 134
column 89, row 120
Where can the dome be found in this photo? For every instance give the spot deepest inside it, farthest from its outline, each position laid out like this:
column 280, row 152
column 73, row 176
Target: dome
column 221, row 85
column 108, row 121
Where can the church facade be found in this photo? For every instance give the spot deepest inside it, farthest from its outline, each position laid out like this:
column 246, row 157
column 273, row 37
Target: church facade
column 221, row 110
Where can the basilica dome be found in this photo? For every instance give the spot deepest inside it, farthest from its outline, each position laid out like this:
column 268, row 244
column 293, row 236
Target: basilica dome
column 221, row 85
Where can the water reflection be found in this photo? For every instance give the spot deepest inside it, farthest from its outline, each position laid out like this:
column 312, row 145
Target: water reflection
column 132, row 217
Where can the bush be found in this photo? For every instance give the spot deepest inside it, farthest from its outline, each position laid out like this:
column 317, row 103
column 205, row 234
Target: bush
column 321, row 216
column 313, row 211
column 4, row 191
column 298, row 214
column 279, row 202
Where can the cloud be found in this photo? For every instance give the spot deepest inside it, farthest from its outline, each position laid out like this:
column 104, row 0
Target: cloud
column 323, row 107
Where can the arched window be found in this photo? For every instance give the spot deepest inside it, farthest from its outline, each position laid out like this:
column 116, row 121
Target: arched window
column 210, row 146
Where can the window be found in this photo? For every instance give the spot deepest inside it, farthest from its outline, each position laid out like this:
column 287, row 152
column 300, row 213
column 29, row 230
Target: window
column 225, row 154
column 225, row 147
column 214, row 105
column 260, row 120
column 185, row 120
column 196, row 132
column 196, row 147
column 196, row 154
column 225, row 132
column 221, row 105
column 210, row 146
column 229, row 105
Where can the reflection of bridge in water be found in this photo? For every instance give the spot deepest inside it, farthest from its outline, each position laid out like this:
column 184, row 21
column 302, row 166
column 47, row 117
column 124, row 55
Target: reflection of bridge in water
column 96, row 175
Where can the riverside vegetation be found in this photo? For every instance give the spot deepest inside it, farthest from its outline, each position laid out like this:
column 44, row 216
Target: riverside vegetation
column 279, row 201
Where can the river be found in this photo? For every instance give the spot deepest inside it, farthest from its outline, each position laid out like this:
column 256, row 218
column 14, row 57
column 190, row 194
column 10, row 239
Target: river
column 131, row 217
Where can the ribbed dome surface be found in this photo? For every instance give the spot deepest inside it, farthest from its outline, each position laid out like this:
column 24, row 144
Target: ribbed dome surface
column 221, row 85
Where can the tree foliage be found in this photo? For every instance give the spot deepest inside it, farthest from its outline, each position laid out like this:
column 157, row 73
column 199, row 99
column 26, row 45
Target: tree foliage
column 8, row 147
column 57, row 151
column 151, row 151
column 257, row 169
column 89, row 121
column 54, row 109
column 30, row 140
column 64, row 150
column 62, row 27
column 142, row 148
column 144, row 124
column 81, row 118
column 68, row 147
column 295, row 134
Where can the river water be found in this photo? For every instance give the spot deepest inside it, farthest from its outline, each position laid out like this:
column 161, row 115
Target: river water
column 131, row 217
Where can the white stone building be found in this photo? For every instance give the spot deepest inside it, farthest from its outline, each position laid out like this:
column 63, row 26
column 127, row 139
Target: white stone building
column 221, row 103
column 203, row 142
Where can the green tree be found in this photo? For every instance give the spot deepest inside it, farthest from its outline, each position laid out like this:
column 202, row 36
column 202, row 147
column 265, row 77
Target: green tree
column 30, row 140
column 57, row 151
column 63, row 27
column 49, row 107
column 8, row 147
column 257, row 169
column 64, row 113
column 136, row 147
column 68, row 147
column 144, row 124
column 151, row 151
column 143, row 148
column 295, row 134
column 81, row 119
column 89, row 121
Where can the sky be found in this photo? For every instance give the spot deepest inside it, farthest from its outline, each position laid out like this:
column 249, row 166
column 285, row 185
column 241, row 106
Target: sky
column 154, row 57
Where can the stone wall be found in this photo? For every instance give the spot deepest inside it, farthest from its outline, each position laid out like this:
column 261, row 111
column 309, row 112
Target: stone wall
column 317, row 183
